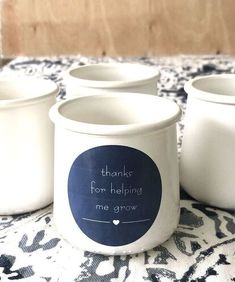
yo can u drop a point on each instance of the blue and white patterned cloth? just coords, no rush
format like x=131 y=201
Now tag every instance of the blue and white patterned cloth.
x=201 y=249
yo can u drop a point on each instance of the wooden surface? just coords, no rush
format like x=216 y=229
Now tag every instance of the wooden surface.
x=117 y=27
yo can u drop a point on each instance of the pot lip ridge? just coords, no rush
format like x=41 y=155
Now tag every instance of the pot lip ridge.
x=149 y=73
x=12 y=82
x=114 y=129
x=192 y=89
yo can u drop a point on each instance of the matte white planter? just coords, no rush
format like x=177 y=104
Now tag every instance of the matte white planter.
x=116 y=171
x=26 y=144
x=207 y=165
x=109 y=77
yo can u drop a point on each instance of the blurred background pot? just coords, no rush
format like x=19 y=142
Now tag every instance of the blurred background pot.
x=109 y=77
x=207 y=166
x=26 y=144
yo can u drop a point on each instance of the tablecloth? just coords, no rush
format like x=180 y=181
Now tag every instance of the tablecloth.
x=201 y=249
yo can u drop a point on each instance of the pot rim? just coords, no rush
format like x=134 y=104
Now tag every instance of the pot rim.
x=149 y=73
x=174 y=113
x=14 y=84
x=195 y=89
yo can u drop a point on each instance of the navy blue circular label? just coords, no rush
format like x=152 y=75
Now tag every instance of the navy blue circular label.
x=114 y=193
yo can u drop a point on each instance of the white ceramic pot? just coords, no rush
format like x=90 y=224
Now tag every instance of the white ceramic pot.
x=26 y=144
x=207 y=166
x=109 y=77
x=116 y=171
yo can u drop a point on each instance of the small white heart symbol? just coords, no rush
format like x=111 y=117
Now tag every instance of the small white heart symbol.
x=116 y=221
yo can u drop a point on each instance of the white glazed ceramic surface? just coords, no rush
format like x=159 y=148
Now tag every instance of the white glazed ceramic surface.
x=109 y=77
x=207 y=166
x=26 y=144
x=141 y=123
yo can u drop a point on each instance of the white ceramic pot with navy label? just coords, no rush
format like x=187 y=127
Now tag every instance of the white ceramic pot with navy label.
x=26 y=144
x=104 y=78
x=116 y=171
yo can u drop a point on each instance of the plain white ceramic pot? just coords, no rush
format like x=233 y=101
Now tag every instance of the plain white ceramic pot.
x=207 y=166
x=116 y=171
x=109 y=77
x=26 y=144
